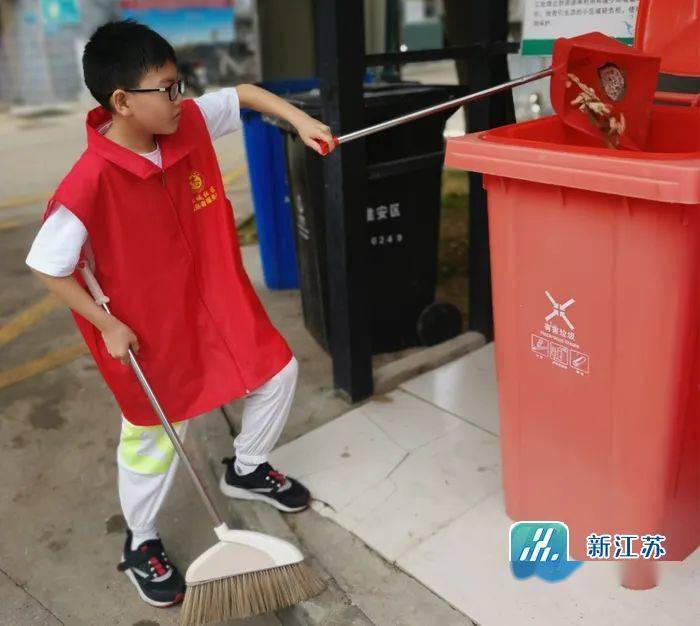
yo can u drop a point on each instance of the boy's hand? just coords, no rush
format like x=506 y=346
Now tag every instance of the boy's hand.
x=118 y=338
x=312 y=131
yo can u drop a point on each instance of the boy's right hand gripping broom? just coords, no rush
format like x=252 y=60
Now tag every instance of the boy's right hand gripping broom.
x=246 y=573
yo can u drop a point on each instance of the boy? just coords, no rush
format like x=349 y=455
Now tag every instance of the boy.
x=145 y=207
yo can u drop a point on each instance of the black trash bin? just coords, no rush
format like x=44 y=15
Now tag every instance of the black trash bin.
x=404 y=167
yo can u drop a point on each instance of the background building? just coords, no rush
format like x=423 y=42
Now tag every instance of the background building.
x=41 y=41
x=40 y=46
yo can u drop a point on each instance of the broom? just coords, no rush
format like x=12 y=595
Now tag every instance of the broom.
x=246 y=573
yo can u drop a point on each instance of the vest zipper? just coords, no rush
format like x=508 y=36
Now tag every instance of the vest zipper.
x=233 y=356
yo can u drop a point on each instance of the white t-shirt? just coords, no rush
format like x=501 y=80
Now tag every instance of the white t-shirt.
x=57 y=246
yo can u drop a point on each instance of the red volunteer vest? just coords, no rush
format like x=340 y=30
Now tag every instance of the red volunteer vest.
x=167 y=255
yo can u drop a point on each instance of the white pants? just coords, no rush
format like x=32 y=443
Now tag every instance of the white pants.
x=147 y=460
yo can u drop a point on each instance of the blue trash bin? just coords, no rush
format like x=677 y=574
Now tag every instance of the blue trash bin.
x=268 y=182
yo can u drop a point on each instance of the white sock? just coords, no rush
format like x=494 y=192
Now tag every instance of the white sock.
x=243 y=469
x=144 y=535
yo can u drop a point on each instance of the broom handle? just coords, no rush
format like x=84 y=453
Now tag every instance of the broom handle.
x=436 y=108
x=102 y=300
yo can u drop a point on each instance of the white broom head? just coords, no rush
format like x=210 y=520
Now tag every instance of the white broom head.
x=245 y=574
x=240 y=552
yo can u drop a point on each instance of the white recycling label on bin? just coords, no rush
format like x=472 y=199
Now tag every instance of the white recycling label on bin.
x=556 y=342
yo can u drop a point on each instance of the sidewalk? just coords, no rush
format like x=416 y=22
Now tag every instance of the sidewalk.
x=416 y=476
x=363 y=587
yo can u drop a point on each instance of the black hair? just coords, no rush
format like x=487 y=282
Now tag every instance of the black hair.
x=119 y=54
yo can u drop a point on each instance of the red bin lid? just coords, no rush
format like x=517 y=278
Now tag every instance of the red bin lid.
x=670 y=29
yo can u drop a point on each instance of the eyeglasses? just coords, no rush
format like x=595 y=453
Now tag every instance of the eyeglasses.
x=173 y=90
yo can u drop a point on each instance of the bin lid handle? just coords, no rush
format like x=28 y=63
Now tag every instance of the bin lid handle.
x=670 y=97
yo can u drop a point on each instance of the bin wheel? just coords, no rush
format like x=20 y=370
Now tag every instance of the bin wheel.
x=438 y=322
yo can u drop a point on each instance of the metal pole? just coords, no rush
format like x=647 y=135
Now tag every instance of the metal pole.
x=436 y=108
x=392 y=38
x=340 y=51
x=486 y=22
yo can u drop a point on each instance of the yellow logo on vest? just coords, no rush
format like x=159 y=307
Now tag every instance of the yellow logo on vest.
x=201 y=197
x=196 y=181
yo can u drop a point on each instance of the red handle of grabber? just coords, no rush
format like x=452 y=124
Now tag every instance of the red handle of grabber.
x=324 y=146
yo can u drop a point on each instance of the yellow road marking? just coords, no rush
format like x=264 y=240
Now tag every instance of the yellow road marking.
x=233 y=175
x=15 y=202
x=9 y=224
x=26 y=318
x=43 y=364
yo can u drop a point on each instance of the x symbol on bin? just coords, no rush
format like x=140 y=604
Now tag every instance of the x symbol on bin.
x=559 y=310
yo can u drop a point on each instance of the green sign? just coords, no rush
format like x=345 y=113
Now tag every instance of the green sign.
x=547 y=20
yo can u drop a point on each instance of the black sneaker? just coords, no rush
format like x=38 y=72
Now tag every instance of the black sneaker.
x=154 y=576
x=266 y=484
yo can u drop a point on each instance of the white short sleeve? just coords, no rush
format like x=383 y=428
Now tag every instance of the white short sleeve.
x=56 y=247
x=221 y=111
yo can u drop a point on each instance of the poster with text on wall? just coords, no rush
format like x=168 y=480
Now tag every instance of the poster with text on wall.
x=546 y=20
x=184 y=22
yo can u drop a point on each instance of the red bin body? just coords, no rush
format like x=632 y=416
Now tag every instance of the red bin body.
x=595 y=257
x=595 y=262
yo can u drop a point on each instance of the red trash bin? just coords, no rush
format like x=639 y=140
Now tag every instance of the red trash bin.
x=595 y=259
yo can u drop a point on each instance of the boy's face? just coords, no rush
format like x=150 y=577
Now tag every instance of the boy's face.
x=153 y=111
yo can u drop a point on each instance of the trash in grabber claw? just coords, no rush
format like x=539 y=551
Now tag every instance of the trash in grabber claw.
x=599 y=87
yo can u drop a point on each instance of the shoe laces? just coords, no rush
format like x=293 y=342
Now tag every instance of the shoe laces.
x=278 y=477
x=159 y=564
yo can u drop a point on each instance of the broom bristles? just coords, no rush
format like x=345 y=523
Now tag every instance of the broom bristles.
x=250 y=594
